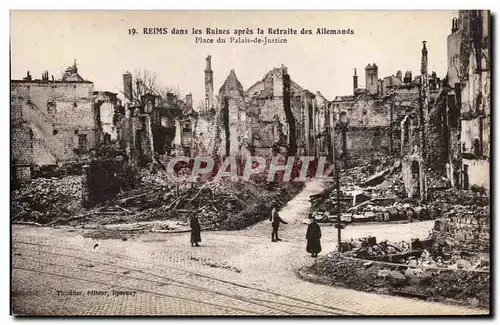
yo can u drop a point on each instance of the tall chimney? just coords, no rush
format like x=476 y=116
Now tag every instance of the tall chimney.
x=354 y=81
x=189 y=100
x=209 y=84
x=208 y=66
x=371 y=78
x=127 y=86
x=408 y=77
x=454 y=25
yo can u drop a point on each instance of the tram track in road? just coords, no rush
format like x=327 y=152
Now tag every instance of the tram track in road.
x=137 y=290
x=292 y=302
x=168 y=281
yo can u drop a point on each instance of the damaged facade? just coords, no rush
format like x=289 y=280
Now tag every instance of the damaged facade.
x=468 y=101
x=53 y=121
x=379 y=117
x=152 y=124
x=58 y=122
x=105 y=105
x=274 y=115
x=64 y=126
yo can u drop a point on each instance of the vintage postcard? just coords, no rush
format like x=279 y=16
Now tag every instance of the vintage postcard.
x=250 y=163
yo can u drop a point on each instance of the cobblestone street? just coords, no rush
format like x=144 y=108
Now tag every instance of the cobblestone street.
x=58 y=272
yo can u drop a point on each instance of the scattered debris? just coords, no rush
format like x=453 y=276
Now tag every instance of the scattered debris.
x=464 y=287
x=87 y=265
x=219 y=205
x=206 y=262
x=42 y=200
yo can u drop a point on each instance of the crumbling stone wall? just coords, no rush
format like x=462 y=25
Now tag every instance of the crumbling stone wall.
x=136 y=136
x=265 y=118
x=309 y=113
x=365 y=111
x=232 y=117
x=105 y=105
x=414 y=176
x=204 y=133
x=453 y=53
x=368 y=126
x=276 y=99
x=321 y=124
x=362 y=143
x=471 y=230
x=21 y=151
x=478 y=172
x=475 y=44
x=61 y=115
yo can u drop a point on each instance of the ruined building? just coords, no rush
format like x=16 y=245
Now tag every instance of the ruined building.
x=370 y=120
x=362 y=119
x=468 y=99
x=414 y=161
x=105 y=106
x=274 y=115
x=54 y=121
x=151 y=124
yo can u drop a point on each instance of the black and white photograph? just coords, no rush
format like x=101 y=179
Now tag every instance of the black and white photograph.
x=250 y=163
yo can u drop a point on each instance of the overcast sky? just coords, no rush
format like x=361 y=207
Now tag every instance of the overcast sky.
x=104 y=50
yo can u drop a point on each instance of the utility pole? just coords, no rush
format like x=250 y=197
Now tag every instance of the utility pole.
x=339 y=229
x=337 y=185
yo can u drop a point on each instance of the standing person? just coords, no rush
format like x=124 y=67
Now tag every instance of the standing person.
x=276 y=220
x=313 y=237
x=195 y=231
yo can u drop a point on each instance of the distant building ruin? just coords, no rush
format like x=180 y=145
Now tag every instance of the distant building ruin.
x=274 y=115
x=370 y=120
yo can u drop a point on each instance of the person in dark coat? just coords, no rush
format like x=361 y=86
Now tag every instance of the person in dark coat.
x=313 y=237
x=195 y=231
x=275 y=221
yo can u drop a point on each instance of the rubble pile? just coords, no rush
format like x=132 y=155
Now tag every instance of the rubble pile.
x=441 y=249
x=465 y=229
x=459 y=285
x=376 y=193
x=368 y=197
x=436 y=268
x=218 y=205
x=368 y=248
x=452 y=197
x=42 y=200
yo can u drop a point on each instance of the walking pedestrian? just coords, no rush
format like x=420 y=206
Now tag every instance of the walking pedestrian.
x=195 y=231
x=275 y=221
x=313 y=237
